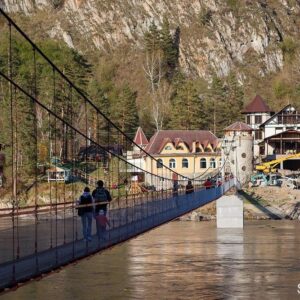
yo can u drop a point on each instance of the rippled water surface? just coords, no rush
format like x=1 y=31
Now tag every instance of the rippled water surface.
x=185 y=260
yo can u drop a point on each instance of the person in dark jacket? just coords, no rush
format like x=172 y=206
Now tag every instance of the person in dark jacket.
x=189 y=189
x=100 y=194
x=85 y=211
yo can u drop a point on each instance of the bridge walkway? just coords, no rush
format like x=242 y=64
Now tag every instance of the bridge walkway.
x=126 y=223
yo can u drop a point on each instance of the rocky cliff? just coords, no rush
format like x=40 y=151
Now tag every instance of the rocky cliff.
x=215 y=35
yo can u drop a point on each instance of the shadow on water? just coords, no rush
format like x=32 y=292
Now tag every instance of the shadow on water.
x=263 y=209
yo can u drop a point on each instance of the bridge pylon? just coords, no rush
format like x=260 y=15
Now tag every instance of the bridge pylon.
x=230 y=211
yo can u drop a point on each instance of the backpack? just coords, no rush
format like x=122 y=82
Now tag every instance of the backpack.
x=100 y=195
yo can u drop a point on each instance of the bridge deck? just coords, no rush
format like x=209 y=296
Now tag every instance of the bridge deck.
x=69 y=247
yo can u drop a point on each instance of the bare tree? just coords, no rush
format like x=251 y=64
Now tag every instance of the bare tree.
x=160 y=90
x=161 y=104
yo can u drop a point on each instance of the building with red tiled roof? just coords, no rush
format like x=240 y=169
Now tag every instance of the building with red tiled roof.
x=274 y=134
x=256 y=113
x=188 y=152
x=189 y=138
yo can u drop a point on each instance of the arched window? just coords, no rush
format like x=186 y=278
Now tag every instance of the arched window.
x=168 y=148
x=159 y=163
x=220 y=162
x=212 y=163
x=172 y=163
x=185 y=163
x=203 y=163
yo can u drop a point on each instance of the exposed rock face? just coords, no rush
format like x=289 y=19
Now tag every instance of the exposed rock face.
x=216 y=34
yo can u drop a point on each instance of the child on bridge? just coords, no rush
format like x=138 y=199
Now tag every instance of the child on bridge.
x=102 y=222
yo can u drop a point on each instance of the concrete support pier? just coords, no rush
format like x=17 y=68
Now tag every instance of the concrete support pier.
x=230 y=212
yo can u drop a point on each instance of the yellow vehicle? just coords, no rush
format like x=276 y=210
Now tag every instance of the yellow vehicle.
x=269 y=167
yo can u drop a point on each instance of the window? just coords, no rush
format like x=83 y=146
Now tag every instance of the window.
x=185 y=163
x=179 y=148
x=159 y=163
x=258 y=135
x=197 y=147
x=172 y=163
x=258 y=120
x=168 y=148
x=220 y=162
x=248 y=120
x=203 y=163
x=244 y=155
x=212 y=163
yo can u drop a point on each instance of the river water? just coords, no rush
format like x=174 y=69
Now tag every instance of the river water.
x=185 y=260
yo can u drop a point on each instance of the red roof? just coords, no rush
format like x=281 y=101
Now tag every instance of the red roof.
x=186 y=136
x=257 y=105
x=238 y=126
x=140 y=138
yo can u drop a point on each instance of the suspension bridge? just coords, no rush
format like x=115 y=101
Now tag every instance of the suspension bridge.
x=40 y=230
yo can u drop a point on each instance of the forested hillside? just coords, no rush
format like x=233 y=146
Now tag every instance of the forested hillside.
x=170 y=64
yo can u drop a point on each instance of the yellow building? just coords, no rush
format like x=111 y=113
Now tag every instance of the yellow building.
x=187 y=152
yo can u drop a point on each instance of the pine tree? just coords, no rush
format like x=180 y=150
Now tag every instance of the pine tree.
x=100 y=123
x=235 y=97
x=31 y=122
x=161 y=62
x=186 y=107
x=170 y=50
x=216 y=105
x=152 y=38
x=124 y=111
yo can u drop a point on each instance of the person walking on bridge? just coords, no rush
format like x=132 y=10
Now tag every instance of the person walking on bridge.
x=189 y=189
x=85 y=211
x=101 y=195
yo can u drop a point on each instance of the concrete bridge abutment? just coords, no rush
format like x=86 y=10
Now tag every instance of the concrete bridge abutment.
x=230 y=212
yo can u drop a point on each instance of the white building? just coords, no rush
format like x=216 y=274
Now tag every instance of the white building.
x=256 y=113
x=136 y=162
x=275 y=134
